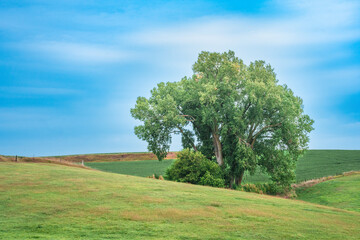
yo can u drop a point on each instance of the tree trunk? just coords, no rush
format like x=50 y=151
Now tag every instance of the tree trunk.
x=231 y=182
x=238 y=179
x=218 y=149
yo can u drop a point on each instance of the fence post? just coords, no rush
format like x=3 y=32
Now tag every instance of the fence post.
x=16 y=158
x=82 y=162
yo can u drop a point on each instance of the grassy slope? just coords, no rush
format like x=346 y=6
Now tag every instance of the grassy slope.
x=58 y=202
x=136 y=168
x=342 y=192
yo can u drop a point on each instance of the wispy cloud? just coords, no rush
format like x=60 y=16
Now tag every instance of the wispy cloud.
x=295 y=44
x=353 y=125
x=326 y=13
x=237 y=31
x=79 y=53
x=27 y=119
x=313 y=24
x=116 y=51
x=14 y=91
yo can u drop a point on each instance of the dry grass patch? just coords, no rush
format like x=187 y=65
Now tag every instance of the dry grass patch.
x=99 y=211
x=170 y=214
x=112 y=157
x=24 y=183
x=42 y=160
x=215 y=204
x=246 y=211
x=149 y=199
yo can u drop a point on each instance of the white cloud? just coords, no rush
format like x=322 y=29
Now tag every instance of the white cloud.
x=300 y=44
x=313 y=22
x=14 y=91
x=353 y=125
x=345 y=80
x=327 y=13
x=80 y=53
x=27 y=118
x=241 y=31
x=282 y=39
x=295 y=43
x=326 y=141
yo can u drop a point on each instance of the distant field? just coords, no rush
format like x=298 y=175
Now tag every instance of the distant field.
x=314 y=164
x=319 y=163
x=136 y=168
x=51 y=201
x=112 y=157
x=342 y=192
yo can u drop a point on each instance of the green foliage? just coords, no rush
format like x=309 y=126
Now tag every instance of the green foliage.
x=263 y=188
x=194 y=167
x=235 y=113
x=210 y=180
x=160 y=116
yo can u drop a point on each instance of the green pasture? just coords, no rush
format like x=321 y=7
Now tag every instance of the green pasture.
x=318 y=163
x=48 y=201
x=136 y=168
x=89 y=154
x=314 y=164
x=341 y=192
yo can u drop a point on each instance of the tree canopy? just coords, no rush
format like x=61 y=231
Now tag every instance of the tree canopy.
x=236 y=114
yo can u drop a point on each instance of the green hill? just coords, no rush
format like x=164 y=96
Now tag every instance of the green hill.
x=48 y=201
x=341 y=192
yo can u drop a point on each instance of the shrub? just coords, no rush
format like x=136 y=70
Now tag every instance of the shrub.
x=210 y=180
x=194 y=167
x=266 y=188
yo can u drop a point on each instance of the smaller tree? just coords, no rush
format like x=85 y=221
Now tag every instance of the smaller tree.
x=193 y=167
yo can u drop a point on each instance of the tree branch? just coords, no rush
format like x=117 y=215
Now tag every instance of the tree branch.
x=257 y=134
x=191 y=118
x=251 y=131
x=192 y=143
x=246 y=108
x=243 y=141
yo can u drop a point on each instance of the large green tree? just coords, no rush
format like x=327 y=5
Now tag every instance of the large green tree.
x=231 y=112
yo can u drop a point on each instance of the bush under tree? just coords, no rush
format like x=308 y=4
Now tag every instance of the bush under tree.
x=193 y=167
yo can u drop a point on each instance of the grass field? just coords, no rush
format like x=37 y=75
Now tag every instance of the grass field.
x=314 y=164
x=319 y=163
x=136 y=168
x=49 y=201
x=112 y=157
x=341 y=192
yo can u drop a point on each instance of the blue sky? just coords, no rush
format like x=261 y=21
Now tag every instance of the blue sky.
x=71 y=70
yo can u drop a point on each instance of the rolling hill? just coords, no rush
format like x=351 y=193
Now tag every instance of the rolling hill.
x=49 y=201
x=340 y=192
